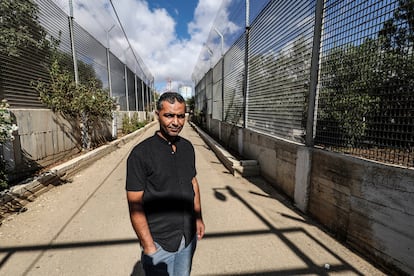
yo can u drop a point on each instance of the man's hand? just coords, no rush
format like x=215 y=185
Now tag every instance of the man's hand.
x=200 y=228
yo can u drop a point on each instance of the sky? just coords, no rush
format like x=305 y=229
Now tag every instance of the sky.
x=168 y=35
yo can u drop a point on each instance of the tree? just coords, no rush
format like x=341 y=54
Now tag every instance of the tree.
x=7 y=127
x=348 y=94
x=396 y=84
x=86 y=103
x=190 y=102
x=366 y=89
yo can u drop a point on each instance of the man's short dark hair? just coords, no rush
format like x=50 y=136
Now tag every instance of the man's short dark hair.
x=170 y=97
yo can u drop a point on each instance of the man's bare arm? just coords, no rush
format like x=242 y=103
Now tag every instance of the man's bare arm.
x=139 y=221
x=197 y=208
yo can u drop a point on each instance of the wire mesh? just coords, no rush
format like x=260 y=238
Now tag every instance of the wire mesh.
x=101 y=51
x=280 y=46
x=24 y=53
x=91 y=58
x=364 y=99
x=233 y=83
x=230 y=24
x=217 y=98
x=367 y=70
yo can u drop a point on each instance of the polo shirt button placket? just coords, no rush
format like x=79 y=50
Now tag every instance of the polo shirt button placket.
x=172 y=152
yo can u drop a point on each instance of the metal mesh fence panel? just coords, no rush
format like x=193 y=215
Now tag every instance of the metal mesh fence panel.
x=233 y=83
x=148 y=98
x=131 y=90
x=46 y=37
x=217 y=91
x=118 y=81
x=280 y=46
x=228 y=26
x=201 y=97
x=366 y=100
x=56 y=23
x=209 y=91
x=140 y=94
x=91 y=58
x=26 y=60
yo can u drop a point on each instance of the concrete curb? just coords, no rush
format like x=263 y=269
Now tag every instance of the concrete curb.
x=236 y=167
x=14 y=200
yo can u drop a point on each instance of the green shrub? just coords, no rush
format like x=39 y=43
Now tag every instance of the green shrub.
x=7 y=127
x=129 y=125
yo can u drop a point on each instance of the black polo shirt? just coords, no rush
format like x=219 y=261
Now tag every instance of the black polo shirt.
x=165 y=177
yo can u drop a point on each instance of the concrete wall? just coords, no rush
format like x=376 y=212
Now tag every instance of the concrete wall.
x=44 y=138
x=142 y=116
x=367 y=205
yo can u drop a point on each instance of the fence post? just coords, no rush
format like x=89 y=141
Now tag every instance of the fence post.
x=304 y=154
x=142 y=95
x=108 y=65
x=222 y=71
x=126 y=88
x=246 y=64
x=136 y=92
x=72 y=43
x=84 y=119
x=314 y=73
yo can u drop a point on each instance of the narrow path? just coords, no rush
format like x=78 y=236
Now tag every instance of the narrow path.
x=83 y=228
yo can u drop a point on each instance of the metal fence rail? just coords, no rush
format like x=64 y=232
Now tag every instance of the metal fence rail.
x=363 y=75
x=102 y=54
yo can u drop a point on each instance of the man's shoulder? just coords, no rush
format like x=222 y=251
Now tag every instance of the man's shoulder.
x=143 y=145
x=186 y=142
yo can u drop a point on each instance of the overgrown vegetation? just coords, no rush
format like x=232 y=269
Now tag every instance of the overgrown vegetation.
x=129 y=125
x=84 y=102
x=7 y=127
x=20 y=28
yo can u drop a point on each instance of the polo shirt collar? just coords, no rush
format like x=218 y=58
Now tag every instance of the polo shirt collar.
x=163 y=140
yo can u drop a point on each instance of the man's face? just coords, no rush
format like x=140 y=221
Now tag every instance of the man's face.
x=172 y=118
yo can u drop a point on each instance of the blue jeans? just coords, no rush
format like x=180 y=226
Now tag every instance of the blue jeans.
x=170 y=263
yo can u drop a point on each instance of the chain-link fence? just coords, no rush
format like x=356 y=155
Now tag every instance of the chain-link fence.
x=34 y=32
x=333 y=74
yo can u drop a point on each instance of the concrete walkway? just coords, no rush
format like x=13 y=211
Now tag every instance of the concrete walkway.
x=83 y=228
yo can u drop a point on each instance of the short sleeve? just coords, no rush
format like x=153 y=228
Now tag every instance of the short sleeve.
x=135 y=176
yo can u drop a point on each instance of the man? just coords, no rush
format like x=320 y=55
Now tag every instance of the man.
x=163 y=193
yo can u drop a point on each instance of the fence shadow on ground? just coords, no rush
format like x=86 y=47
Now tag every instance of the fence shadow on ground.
x=312 y=268
x=221 y=194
